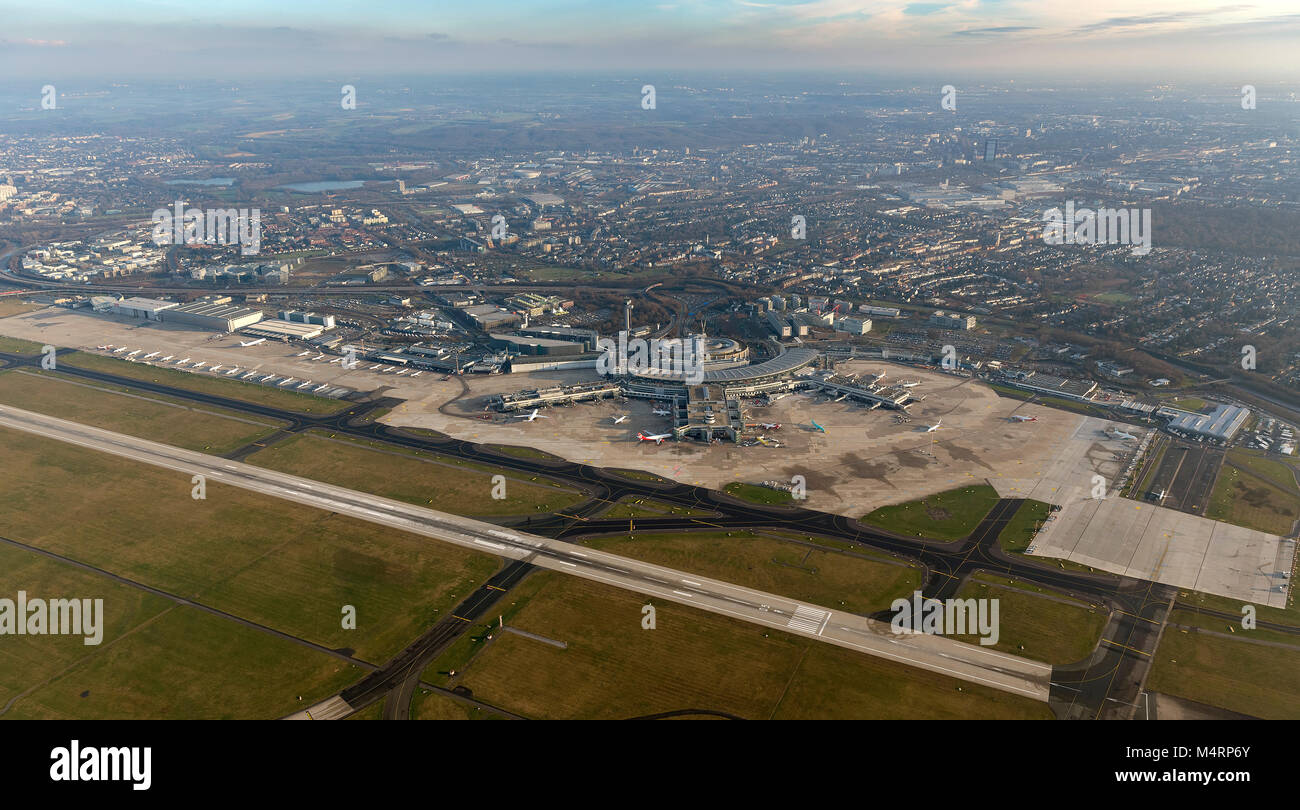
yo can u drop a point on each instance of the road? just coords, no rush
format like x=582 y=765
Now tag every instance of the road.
x=934 y=653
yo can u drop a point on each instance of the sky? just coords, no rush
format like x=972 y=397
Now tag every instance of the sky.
x=1145 y=41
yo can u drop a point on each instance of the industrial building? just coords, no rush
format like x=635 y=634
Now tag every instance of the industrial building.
x=284 y=330
x=220 y=317
x=951 y=320
x=148 y=309
x=1220 y=424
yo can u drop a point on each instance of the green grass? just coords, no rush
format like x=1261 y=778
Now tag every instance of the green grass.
x=1020 y=531
x=375 y=711
x=696 y=660
x=1254 y=679
x=17 y=346
x=1277 y=472
x=1188 y=403
x=949 y=515
x=820 y=576
x=637 y=475
x=190 y=664
x=426 y=480
x=430 y=705
x=758 y=494
x=13 y=305
x=1245 y=500
x=530 y=453
x=1289 y=616
x=194 y=428
x=268 y=560
x=216 y=386
x=633 y=507
x=1035 y=626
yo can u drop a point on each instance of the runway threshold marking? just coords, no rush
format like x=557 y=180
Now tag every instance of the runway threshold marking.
x=462 y=618
x=706 y=523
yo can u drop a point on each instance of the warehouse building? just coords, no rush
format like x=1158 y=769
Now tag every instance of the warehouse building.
x=148 y=309
x=217 y=317
x=1220 y=424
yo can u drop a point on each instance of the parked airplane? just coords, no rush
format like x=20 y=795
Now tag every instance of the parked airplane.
x=531 y=416
x=165 y=359
x=418 y=373
x=234 y=370
x=183 y=361
x=252 y=342
x=215 y=368
x=662 y=412
x=909 y=384
x=934 y=427
x=102 y=348
x=151 y=355
x=1018 y=418
x=657 y=438
x=818 y=427
x=302 y=354
x=770 y=425
x=840 y=397
x=620 y=419
x=1116 y=433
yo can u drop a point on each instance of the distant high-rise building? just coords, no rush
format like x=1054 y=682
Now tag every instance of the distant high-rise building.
x=991 y=149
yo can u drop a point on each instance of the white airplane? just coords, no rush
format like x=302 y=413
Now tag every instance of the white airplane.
x=151 y=355
x=285 y=381
x=662 y=412
x=102 y=348
x=934 y=427
x=302 y=354
x=252 y=342
x=119 y=350
x=336 y=360
x=771 y=425
x=134 y=353
x=840 y=397
x=200 y=364
x=319 y=356
x=620 y=419
x=165 y=359
x=418 y=373
x=1116 y=433
x=531 y=416
x=657 y=438
x=252 y=373
x=402 y=371
x=234 y=370
x=909 y=384
x=1019 y=418
x=215 y=368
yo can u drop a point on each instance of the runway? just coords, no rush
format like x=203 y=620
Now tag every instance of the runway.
x=967 y=662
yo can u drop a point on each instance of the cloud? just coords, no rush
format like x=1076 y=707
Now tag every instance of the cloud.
x=994 y=31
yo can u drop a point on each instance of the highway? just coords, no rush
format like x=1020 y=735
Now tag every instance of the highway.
x=968 y=662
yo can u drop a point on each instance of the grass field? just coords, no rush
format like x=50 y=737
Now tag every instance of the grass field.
x=1289 y=616
x=426 y=480
x=430 y=705
x=613 y=668
x=216 y=386
x=1255 y=679
x=17 y=346
x=757 y=494
x=822 y=577
x=530 y=453
x=1037 y=622
x=1020 y=531
x=1188 y=403
x=1248 y=501
x=14 y=305
x=189 y=664
x=67 y=398
x=1277 y=472
x=949 y=515
x=634 y=507
x=271 y=561
x=637 y=475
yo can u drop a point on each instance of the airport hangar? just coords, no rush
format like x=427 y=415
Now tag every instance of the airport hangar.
x=709 y=410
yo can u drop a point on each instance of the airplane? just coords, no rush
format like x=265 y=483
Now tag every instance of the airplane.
x=657 y=438
x=182 y=362
x=840 y=397
x=818 y=427
x=319 y=356
x=234 y=370
x=1018 y=418
x=134 y=353
x=662 y=412
x=285 y=381
x=102 y=348
x=770 y=425
x=934 y=427
x=215 y=368
x=620 y=419
x=119 y=350
x=531 y=416
x=165 y=359
x=908 y=384
x=418 y=373
x=1116 y=433
x=151 y=355
x=252 y=342
x=302 y=354
x=336 y=360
